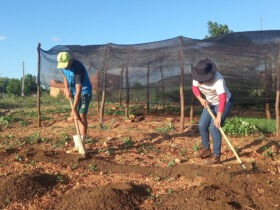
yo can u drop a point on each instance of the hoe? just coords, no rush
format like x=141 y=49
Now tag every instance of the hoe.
x=225 y=137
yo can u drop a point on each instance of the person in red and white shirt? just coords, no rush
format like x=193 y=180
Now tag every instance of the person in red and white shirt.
x=211 y=84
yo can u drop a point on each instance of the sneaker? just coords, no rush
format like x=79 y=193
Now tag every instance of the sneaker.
x=213 y=159
x=202 y=153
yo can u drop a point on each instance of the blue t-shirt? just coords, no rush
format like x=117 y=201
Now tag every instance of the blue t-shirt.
x=77 y=75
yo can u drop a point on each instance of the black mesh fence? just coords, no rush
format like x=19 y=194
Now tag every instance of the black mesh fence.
x=247 y=60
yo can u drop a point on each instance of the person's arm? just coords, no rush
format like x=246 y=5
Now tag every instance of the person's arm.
x=67 y=92
x=196 y=92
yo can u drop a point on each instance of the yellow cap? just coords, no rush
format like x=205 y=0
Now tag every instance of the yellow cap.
x=62 y=59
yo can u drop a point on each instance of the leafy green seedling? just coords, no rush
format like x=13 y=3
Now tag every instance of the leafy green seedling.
x=92 y=167
x=18 y=158
x=171 y=163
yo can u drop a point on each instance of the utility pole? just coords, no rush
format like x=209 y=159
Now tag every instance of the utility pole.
x=261 y=22
x=22 y=89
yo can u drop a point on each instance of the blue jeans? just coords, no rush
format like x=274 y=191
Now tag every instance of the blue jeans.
x=206 y=121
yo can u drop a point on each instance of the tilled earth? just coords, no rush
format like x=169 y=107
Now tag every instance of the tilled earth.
x=132 y=165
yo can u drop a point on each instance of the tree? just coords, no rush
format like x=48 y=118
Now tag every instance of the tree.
x=30 y=85
x=3 y=84
x=215 y=29
x=14 y=87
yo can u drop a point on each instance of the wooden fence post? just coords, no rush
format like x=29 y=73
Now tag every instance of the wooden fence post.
x=105 y=67
x=268 y=86
x=162 y=87
x=278 y=95
x=98 y=92
x=192 y=104
x=121 y=86
x=127 y=91
x=38 y=85
x=181 y=84
x=148 y=90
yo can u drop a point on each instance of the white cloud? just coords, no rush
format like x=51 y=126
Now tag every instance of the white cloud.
x=3 y=38
x=55 y=38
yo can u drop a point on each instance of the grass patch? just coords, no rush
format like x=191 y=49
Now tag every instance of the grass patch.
x=248 y=126
x=165 y=129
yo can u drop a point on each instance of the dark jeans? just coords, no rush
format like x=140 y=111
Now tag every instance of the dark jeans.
x=206 y=121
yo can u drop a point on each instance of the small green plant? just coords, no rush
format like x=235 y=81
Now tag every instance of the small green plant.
x=62 y=141
x=18 y=158
x=171 y=163
x=196 y=147
x=99 y=150
x=60 y=178
x=183 y=152
x=1 y=165
x=90 y=141
x=165 y=129
x=269 y=152
x=128 y=142
x=169 y=191
x=106 y=127
x=33 y=163
x=23 y=123
x=109 y=152
x=92 y=167
x=34 y=138
x=6 y=120
x=74 y=166
x=238 y=126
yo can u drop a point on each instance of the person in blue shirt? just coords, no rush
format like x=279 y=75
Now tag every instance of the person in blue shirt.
x=77 y=87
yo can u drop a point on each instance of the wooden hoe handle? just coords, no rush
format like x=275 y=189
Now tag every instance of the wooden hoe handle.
x=225 y=137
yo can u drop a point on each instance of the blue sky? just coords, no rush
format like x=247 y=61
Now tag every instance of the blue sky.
x=24 y=23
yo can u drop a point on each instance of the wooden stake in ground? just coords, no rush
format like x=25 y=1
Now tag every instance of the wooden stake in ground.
x=162 y=87
x=22 y=85
x=38 y=86
x=278 y=96
x=127 y=92
x=148 y=91
x=121 y=86
x=98 y=92
x=192 y=105
x=104 y=84
x=181 y=56
x=268 y=86
x=225 y=137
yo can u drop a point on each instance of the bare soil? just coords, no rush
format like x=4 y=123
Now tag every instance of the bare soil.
x=132 y=165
